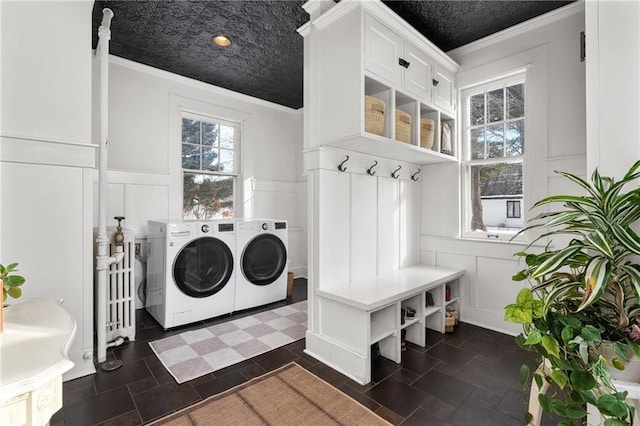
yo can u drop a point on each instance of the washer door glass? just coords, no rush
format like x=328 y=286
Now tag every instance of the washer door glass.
x=264 y=259
x=203 y=267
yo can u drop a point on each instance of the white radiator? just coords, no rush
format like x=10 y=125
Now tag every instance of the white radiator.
x=121 y=291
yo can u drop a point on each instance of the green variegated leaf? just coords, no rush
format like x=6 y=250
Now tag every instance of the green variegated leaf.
x=633 y=172
x=551 y=345
x=562 y=291
x=533 y=338
x=635 y=348
x=556 y=261
x=600 y=243
x=598 y=183
x=517 y=314
x=620 y=349
x=596 y=277
x=560 y=378
x=626 y=217
x=583 y=350
x=625 y=200
x=583 y=183
x=524 y=296
x=564 y=218
x=633 y=278
x=627 y=238
x=588 y=203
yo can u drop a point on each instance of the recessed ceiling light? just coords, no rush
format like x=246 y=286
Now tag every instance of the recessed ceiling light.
x=222 y=40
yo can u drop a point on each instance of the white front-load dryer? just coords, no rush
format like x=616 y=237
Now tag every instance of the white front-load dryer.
x=190 y=270
x=261 y=260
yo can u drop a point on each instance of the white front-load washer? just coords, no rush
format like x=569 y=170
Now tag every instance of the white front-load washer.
x=190 y=270
x=261 y=260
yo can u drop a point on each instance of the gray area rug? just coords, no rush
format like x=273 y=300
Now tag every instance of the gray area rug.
x=198 y=352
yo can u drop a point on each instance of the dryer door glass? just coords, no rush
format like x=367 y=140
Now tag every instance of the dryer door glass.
x=203 y=267
x=264 y=259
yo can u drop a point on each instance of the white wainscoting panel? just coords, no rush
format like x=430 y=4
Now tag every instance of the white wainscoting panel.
x=410 y=207
x=333 y=220
x=43 y=229
x=363 y=219
x=388 y=224
x=283 y=200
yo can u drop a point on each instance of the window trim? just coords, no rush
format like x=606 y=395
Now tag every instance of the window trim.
x=465 y=93
x=236 y=174
x=511 y=213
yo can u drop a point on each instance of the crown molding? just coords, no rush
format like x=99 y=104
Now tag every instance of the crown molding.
x=532 y=24
x=335 y=13
x=198 y=84
x=305 y=29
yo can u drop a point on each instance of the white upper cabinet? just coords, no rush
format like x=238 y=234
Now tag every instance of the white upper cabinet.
x=374 y=84
x=383 y=48
x=444 y=89
x=417 y=76
x=398 y=61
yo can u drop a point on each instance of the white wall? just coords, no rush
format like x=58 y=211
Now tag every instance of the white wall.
x=613 y=85
x=46 y=157
x=548 y=48
x=145 y=175
x=494 y=213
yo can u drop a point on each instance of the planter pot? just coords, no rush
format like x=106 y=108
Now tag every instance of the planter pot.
x=631 y=372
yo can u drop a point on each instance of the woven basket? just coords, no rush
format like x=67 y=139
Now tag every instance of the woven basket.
x=374 y=115
x=403 y=126
x=449 y=322
x=427 y=131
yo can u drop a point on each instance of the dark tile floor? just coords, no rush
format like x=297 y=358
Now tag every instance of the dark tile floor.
x=468 y=377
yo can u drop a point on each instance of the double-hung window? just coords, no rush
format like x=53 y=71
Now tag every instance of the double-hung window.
x=210 y=167
x=493 y=118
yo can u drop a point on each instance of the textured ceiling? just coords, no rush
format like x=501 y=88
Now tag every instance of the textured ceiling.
x=266 y=57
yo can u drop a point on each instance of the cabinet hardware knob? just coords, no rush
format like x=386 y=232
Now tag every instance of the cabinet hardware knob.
x=370 y=170
x=395 y=174
x=341 y=165
x=404 y=63
x=435 y=82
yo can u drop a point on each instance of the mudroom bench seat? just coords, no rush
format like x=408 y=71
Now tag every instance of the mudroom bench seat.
x=383 y=309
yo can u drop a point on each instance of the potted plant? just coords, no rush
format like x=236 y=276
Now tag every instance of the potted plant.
x=583 y=293
x=10 y=282
x=10 y=286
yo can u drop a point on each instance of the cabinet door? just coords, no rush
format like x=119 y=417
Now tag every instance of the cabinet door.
x=444 y=89
x=417 y=76
x=383 y=48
